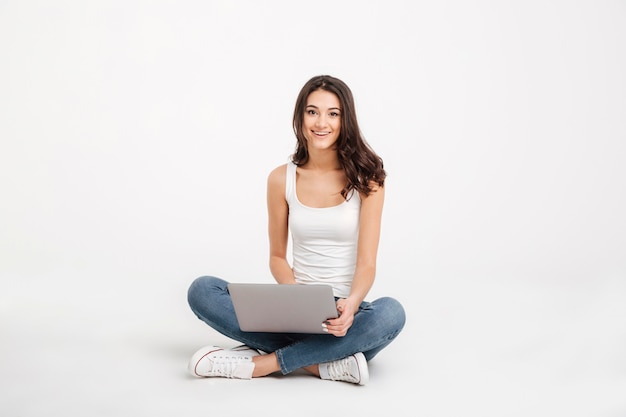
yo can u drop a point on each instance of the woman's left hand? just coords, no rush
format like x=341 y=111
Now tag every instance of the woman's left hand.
x=339 y=326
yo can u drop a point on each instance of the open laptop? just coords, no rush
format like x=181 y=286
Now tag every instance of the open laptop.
x=282 y=308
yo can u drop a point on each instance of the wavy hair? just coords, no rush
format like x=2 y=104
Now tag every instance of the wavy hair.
x=360 y=163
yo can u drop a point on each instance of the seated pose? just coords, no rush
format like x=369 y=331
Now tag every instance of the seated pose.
x=329 y=196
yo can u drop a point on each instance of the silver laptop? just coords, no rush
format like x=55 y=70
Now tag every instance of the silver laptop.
x=282 y=308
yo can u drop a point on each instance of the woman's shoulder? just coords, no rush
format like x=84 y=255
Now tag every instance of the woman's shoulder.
x=278 y=175
x=279 y=171
x=276 y=183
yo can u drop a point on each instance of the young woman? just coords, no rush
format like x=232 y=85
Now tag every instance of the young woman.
x=329 y=196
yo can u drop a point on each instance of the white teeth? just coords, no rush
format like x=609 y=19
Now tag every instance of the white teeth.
x=320 y=133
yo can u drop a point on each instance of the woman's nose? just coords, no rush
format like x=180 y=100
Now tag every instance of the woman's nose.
x=320 y=121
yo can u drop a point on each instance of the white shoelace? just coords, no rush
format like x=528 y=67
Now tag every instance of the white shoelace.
x=340 y=370
x=225 y=365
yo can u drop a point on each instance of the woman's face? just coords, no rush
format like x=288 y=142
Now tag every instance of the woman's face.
x=322 y=120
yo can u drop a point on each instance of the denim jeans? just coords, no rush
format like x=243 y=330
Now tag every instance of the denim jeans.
x=375 y=325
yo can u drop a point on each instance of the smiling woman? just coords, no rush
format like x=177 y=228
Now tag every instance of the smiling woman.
x=330 y=198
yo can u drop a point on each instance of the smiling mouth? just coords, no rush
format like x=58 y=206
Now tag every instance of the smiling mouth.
x=320 y=133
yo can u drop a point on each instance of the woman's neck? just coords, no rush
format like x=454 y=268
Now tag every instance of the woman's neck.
x=323 y=161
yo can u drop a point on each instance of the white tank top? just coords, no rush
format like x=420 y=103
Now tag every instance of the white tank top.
x=324 y=239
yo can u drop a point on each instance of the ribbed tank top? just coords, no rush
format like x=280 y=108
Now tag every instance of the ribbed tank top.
x=324 y=240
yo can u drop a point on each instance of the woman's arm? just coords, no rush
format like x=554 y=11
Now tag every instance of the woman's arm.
x=278 y=211
x=365 y=272
x=369 y=236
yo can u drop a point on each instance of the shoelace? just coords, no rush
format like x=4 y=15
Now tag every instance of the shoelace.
x=340 y=370
x=225 y=365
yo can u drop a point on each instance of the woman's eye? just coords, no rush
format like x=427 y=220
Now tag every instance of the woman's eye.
x=334 y=114
x=311 y=112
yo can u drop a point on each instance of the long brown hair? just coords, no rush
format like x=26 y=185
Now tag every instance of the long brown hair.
x=359 y=161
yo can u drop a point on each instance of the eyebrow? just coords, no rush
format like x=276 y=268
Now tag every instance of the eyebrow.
x=314 y=106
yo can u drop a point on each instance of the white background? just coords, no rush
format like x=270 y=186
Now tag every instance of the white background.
x=136 y=138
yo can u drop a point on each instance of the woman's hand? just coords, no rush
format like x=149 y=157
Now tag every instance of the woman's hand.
x=339 y=326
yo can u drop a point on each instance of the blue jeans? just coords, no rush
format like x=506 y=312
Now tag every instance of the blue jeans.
x=375 y=325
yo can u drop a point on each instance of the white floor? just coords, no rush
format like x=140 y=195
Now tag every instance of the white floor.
x=480 y=349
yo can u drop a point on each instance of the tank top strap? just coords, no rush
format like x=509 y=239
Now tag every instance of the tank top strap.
x=290 y=183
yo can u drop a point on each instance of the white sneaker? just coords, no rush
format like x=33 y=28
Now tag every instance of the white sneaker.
x=225 y=363
x=351 y=369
